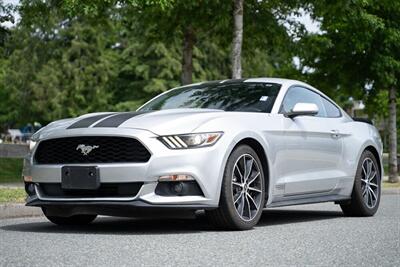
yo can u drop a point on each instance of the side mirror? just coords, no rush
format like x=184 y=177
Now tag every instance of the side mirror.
x=303 y=109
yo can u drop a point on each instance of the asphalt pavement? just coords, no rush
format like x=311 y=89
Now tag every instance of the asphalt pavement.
x=303 y=235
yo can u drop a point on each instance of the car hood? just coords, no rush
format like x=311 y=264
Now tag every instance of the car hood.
x=172 y=121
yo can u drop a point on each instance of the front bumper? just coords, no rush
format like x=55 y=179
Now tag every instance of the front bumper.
x=205 y=165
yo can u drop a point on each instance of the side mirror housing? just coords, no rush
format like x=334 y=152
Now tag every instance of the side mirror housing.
x=303 y=109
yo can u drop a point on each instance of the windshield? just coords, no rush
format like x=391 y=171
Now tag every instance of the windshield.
x=238 y=96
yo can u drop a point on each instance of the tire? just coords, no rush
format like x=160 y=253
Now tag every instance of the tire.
x=72 y=220
x=362 y=202
x=252 y=192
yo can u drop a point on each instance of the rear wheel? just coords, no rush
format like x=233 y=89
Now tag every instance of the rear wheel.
x=366 y=193
x=242 y=193
x=71 y=220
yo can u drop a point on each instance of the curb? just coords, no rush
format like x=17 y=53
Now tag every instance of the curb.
x=13 y=210
x=11 y=186
x=390 y=191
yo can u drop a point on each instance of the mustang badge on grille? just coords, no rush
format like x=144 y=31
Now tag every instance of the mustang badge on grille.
x=85 y=150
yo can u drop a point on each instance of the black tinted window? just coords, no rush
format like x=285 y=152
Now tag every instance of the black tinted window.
x=240 y=96
x=302 y=95
x=331 y=110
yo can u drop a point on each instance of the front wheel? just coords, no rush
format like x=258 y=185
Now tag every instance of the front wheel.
x=242 y=192
x=366 y=193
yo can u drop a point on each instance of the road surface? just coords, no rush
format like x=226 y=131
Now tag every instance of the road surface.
x=303 y=235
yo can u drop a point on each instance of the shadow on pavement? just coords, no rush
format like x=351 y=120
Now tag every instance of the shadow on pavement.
x=286 y=216
x=117 y=225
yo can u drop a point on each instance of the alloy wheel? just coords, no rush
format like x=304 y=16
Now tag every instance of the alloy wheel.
x=247 y=187
x=369 y=183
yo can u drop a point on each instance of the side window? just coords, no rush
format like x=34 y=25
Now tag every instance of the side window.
x=302 y=95
x=331 y=110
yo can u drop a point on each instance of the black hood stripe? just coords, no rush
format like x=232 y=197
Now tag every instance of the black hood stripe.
x=86 y=122
x=118 y=119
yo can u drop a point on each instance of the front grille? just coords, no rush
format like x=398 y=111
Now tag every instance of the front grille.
x=105 y=190
x=107 y=150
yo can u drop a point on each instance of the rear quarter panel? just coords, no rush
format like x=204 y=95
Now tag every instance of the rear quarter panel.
x=357 y=136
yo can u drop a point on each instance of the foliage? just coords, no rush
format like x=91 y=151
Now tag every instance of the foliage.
x=66 y=58
x=6 y=15
x=97 y=7
x=10 y=170
x=358 y=51
x=57 y=69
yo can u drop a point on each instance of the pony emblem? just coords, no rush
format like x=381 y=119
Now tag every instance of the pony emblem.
x=85 y=150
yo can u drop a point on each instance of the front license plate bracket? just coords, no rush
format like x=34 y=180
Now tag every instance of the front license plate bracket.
x=80 y=178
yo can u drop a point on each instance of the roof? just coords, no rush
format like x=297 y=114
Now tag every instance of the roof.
x=282 y=81
x=273 y=80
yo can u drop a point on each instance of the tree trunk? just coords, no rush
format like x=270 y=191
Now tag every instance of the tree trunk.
x=187 y=57
x=393 y=168
x=237 y=39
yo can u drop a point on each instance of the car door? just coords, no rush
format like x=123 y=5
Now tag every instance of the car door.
x=313 y=147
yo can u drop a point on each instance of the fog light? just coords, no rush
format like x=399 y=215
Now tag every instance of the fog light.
x=175 y=177
x=182 y=188
x=178 y=187
x=30 y=189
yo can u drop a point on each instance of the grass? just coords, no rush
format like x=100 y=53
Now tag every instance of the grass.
x=12 y=195
x=10 y=170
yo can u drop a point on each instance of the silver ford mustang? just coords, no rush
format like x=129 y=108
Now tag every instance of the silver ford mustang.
x=231 y=148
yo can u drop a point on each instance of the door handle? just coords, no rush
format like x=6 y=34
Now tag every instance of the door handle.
x=335 y=134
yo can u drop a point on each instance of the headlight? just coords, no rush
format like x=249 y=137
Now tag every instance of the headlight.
x=32 y=145
x=185 y=141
